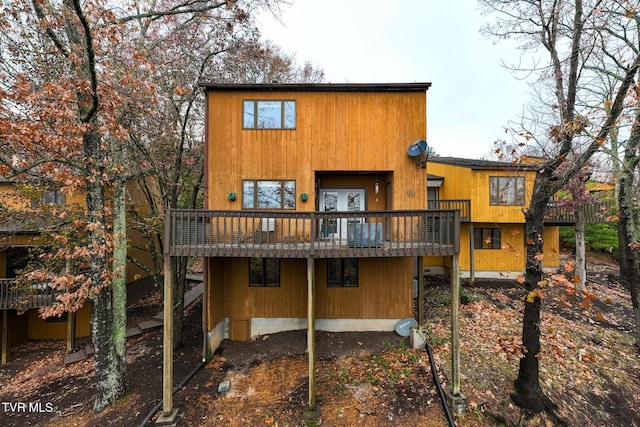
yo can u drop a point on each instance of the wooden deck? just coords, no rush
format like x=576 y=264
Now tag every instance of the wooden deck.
x=12 y=298
x=312 y=234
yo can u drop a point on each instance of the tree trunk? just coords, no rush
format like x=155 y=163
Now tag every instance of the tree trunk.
x=110 y=367
x=581 y=257
x=527 y=391
x=119 y=264
x=629 y=222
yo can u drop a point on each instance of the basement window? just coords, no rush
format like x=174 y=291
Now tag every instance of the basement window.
x=264 y=272
x=342 y=272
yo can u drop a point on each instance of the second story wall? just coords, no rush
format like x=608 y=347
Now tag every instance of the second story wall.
x=343 y=129
x=489 y=203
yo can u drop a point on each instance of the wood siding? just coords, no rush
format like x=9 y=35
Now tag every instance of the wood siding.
x=335 y=131
x=469 y=184
x=40 y=329
x=385 y=291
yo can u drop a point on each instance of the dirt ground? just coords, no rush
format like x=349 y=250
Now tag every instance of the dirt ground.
x=589 y=367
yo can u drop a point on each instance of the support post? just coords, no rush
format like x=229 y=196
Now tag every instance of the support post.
x=311 y=415
x=71 y=331
x=456 y=399
x=472 y=250
x=168 y=412
x=5 y=337
x=421 y=317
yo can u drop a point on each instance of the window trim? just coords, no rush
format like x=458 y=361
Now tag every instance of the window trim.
x=264 y=273
x=496 y=238
x=494 y=199
x=283 y=198
x=283 y=110
x=59 y=199
x=342 y=283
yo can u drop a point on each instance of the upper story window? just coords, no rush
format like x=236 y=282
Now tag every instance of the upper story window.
x=268 y=194
x=506 y=190
x=269 y=114
x=50 y=197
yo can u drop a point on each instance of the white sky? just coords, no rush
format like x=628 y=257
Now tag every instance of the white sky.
x=472 y=97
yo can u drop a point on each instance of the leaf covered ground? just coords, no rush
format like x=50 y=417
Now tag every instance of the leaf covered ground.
x=589 y=368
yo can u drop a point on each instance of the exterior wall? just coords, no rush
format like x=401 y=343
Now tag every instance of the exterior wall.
x=385 y=291
x=509 y=261
x=335 y=131
x=16 y=326
x=476 y=189
x=40 y=329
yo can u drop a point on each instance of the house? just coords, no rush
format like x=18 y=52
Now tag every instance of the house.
x=315 y=211
x=23 y=217
x=492 y=202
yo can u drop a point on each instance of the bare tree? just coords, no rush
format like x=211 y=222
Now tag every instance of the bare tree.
x=566 y=36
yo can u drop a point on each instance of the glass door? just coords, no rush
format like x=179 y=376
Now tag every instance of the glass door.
x=340 y=200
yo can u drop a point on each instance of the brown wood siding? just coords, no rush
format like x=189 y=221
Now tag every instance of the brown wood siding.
x=216 y=292
x=334 y=132
x=385 y=291
x=245 y=302
x=40 y=329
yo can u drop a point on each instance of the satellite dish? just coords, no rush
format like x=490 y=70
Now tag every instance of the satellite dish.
x=419 y=150
x=403 y=326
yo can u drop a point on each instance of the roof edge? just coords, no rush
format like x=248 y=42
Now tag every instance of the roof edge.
x=318 y=87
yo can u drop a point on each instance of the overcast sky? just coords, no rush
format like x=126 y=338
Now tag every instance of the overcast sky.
x=472 y=97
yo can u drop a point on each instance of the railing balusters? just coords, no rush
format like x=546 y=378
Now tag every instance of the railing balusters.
x=318 y=234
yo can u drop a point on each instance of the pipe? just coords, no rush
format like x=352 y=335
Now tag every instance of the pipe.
x=443 y=398
x=174 y=391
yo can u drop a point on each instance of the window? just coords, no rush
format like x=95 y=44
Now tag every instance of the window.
x=487 y=238
x=268 y=194
x=50 y=197
x=264 y=272
x=342 y=272
x=506 y=190
x=272 y=114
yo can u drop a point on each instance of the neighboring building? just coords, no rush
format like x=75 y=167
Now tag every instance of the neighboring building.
x=21 y=224
x=492 y=200
x=492 y=197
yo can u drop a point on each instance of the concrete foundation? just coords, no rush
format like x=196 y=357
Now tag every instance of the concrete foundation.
x=311 y=417
x=167 y=420
x=457 y=402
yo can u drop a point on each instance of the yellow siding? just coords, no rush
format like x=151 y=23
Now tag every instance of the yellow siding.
x=39 y=329
x=511 y=257
x=551 y=248
x=468 y=184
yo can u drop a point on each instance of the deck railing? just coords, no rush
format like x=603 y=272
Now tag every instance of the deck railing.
x=311 y=234
x=464 y=206
x=558 y=213
x=12 y=297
